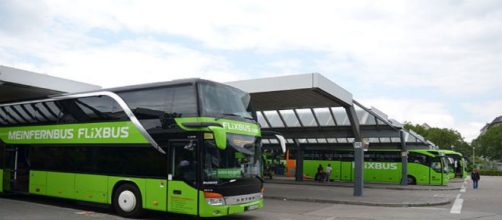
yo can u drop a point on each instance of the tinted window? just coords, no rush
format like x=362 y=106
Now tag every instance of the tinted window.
x=90 y=109
x=217 y=99
x=1 y=154
x=157 y=107
x=109 y=160
x=3 y=118
x=417 y=158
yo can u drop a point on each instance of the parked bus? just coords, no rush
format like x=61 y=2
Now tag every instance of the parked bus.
x=456 y=164
x=185 y=146
x=425 y=167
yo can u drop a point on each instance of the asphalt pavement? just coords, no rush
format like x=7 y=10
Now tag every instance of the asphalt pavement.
x=484 y=203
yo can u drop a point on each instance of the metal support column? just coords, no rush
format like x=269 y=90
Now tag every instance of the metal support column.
x=299 y=161
x=404 y=158
x=358 y=151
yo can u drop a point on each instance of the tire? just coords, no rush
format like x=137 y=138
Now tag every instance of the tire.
x=410 y=180
x=127 y=201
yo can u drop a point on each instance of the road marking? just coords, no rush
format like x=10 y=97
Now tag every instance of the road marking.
x=457 y=205
x=462 y=190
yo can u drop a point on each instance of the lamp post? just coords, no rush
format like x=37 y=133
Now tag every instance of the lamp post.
x=473 y=157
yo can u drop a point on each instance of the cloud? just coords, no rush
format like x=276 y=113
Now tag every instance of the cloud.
x=436 y=114
x=450 y=47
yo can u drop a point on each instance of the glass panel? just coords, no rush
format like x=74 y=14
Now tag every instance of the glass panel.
x=341 y=140
x=312 y=141
x=37 y=112
x=350 y=140
x=385 y=140
x=306 y=117
x=53 y=108
x=21 y=112
x=13 y=115
x=341 y=116
x=274 y=119
x=371 y=120
x=396 y=140
x=220 y=99
x=43 y=110
x=240 y=160
x=324 y=117
x=3 y=117
x=332 y=140
x=302 y=141
x=290 y=141
x=261 y=120
x=266 y=141
x=322 y=140
x=274 y=141
x=290 y=118
x=374 y=140
x=362 y=115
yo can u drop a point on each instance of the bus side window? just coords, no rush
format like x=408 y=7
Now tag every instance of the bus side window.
x=417 y=158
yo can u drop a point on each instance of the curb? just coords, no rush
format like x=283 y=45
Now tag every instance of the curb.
x=365 y=186
x=361 y=203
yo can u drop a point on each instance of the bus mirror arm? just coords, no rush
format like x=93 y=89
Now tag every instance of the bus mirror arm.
x=279 y=137
x=220 y=136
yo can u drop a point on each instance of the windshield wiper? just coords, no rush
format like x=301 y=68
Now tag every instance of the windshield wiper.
x=236 y=115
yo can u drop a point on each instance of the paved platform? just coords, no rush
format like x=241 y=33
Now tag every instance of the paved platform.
x=374 y=194
x=454 y=184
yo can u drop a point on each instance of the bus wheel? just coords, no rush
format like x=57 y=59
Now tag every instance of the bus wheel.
x=127 y=201
x=411 y=180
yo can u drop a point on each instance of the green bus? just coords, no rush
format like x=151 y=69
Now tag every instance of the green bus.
x=185 y=146
x=456 y=164
x=425 y=167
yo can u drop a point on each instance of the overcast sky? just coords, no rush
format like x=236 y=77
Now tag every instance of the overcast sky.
x=435 y=62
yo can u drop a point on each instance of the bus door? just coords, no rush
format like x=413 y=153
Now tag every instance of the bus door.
x=182 y=192
x=436 y=171
x=17 y=168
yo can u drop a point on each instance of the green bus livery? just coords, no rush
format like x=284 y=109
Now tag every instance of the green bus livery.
x=456 y=164
x=185 y=146
x=425 y=167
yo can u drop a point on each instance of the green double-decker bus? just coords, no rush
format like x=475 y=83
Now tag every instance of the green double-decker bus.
x=425 y=167
x=186 y=146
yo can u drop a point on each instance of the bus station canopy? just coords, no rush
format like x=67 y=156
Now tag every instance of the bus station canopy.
x=17 y=85
x=309 y=108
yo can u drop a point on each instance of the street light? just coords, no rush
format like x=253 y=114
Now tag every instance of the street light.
x=473 y=156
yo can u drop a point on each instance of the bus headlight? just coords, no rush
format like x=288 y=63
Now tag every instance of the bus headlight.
x=214 y=198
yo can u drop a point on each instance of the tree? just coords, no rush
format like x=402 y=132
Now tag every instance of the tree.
x=489 y=144
x=445 y=138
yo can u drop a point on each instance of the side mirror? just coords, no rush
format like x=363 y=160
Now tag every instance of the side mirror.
x=220 y=137
x=282 y=142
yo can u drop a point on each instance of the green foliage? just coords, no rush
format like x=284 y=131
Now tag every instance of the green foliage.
x=489 y=144
x=445 y=138
x=490 y=172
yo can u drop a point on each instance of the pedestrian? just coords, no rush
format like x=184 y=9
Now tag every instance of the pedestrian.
x=475 y=178
x=319 y=175
x=328 y=172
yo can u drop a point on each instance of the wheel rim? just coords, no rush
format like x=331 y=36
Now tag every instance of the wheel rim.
x=410 y=180
x=127 y=201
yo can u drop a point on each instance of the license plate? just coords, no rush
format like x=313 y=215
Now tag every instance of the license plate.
x=251 y=207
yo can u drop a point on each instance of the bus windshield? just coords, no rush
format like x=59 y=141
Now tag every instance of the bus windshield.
x=217 y=100
x=240 y=160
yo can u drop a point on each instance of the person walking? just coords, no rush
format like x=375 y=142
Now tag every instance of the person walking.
x=328 y=172
x=475 y=178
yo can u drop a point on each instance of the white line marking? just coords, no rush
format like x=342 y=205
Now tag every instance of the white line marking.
x=462 y=190
x=457 y=205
